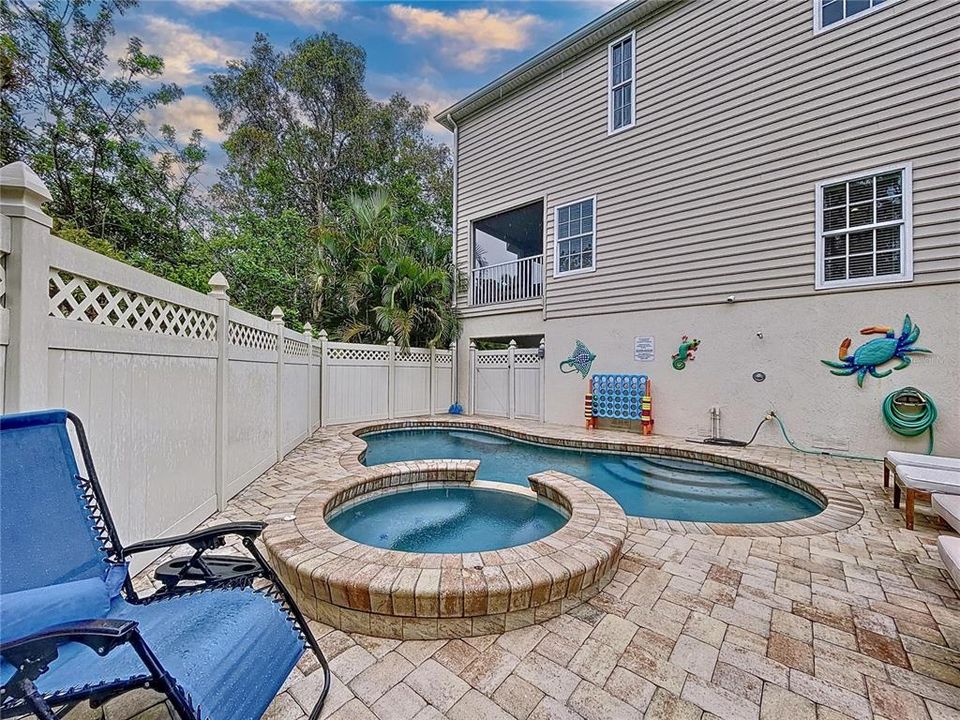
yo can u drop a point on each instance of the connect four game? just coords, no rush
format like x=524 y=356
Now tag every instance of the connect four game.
x=621 y=397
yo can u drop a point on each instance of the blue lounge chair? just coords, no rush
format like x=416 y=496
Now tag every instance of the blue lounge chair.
x=72 y=628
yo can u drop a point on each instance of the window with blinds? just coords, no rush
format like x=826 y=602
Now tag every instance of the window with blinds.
x=864 y=230
x=620 y=73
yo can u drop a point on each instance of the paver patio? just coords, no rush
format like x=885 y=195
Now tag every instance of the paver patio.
x=857 y=623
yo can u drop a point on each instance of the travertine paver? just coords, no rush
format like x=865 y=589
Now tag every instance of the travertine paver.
x=855 y=623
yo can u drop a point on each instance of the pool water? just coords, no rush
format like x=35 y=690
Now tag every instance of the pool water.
x=447 y=520
x=651 y=487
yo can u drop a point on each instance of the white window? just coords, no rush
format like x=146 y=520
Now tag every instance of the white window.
x=864 y=233
x=830 y=13
x=621 y=82
x=574 y=249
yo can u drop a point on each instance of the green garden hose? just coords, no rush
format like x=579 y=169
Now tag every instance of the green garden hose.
x=910 y=424
x=796 y=447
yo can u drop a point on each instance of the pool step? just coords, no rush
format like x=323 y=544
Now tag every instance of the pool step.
x=682 y=465
x=732 y=492
x=687 y=477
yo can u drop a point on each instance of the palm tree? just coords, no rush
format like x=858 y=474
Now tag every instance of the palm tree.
x=376 y=278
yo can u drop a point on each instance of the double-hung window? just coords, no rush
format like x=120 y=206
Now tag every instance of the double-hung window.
x=864 y=233
x=621 y=84
x=574 y=235
x=829 y=13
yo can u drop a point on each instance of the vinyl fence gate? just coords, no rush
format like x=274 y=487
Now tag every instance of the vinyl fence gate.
x=507 y=383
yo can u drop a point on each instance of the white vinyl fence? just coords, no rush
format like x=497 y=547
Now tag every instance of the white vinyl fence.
x=507 y=383
x=186 y=399
x=379 y=382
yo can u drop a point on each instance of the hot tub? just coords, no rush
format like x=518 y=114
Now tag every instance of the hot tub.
x=448 y=519
x=423 y=550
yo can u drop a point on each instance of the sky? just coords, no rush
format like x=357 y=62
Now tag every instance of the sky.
x=432 y=52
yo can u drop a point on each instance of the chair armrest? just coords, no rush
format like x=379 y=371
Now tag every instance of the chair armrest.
x=200 y=540
x=102 y=635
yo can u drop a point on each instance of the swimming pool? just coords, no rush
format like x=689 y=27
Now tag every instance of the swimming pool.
x=655 y=487
x=447 y=520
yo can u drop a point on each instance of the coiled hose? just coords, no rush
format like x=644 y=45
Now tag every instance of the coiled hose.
x=910 y=425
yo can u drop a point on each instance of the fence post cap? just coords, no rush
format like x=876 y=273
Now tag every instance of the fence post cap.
x=20 y=175
x=308 y=328
x=323 y=334
x=391 y=341
x=277 y=315
x=24 y=193
x=542 y=342
x=218 y=285
x=513 y=343
x=473 y=345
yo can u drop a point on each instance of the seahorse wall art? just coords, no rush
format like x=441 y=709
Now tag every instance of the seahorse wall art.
x=874 y=353
x=580 y=360
x=685 y=352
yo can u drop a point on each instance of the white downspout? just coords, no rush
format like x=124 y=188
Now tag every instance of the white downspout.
x=456 y=152
x=456 y=149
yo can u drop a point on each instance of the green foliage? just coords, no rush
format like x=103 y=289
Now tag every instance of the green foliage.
x=375 y=278
x=87 y=137
x=304 y=134
x=303 y=139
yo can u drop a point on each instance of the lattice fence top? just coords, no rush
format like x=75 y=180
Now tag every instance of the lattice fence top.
x=414 y=356
x=494 y=359
x=526 y=358
x=250 y=337
x=359 y=353
x=73 y=297
x=444 y=358
x=295 y=348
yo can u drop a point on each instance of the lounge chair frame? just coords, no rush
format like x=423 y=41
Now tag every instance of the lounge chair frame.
x=32 y=655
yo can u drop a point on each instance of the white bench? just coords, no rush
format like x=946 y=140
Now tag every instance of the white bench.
x=949 y=548
x=922 y=481
x=947 y=507
x=894 y=459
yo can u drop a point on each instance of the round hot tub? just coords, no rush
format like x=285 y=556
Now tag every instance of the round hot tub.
x=422 y=550
x=447 y=519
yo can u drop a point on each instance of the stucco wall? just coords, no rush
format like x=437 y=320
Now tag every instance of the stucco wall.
x=818 y=408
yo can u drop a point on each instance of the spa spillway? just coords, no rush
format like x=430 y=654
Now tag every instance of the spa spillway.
x=422 y=550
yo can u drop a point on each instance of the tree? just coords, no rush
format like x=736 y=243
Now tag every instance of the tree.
x=303 y=134
x=81 y=128
x=374 y=278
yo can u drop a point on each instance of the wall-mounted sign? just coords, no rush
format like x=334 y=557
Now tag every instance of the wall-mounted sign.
x=643 y=348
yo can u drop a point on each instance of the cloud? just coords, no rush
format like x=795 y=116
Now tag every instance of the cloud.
x=188 y=113
x=188 y=55
x=304 y=12
x=469 y=38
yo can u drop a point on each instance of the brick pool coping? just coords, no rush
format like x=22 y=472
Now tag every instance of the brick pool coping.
x=420 y=596
x=841 y=510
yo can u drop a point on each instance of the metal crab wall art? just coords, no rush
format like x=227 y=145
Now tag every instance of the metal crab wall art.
x=874 y=353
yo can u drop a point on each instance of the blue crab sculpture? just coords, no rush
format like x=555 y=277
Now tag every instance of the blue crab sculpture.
x=874 y=353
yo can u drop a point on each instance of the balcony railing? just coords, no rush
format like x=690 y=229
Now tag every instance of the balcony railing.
x=508 y=282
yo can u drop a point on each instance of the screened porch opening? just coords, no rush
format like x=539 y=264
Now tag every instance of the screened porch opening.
x=507 y=256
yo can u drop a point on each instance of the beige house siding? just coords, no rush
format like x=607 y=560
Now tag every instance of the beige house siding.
x=740 y=111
